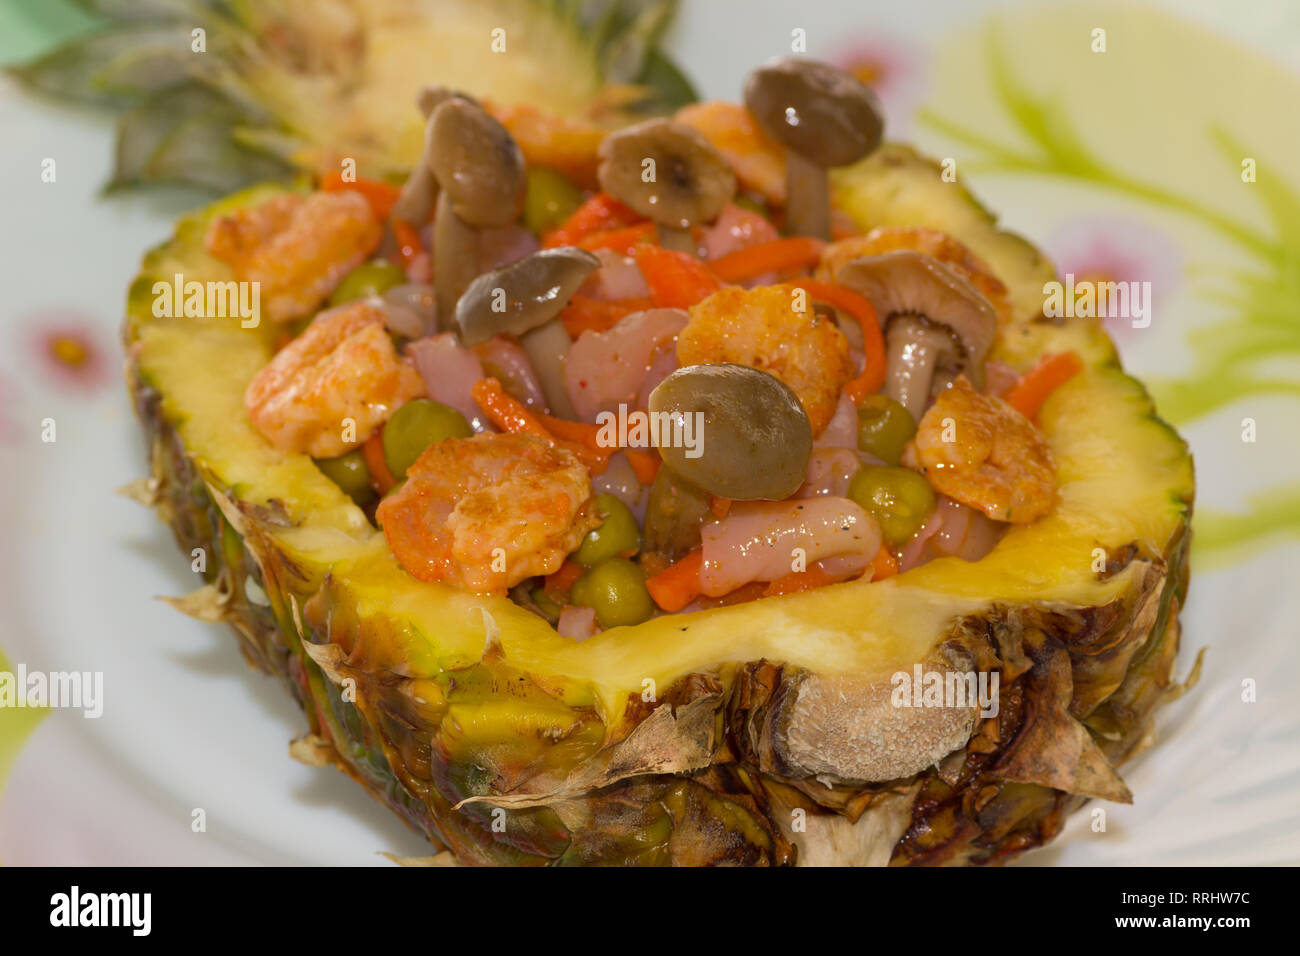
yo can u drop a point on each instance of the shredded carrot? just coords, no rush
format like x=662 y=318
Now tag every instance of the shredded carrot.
x=408 y=241
x=884 y=564
x=645 y=464
x=676 y=280
x=511 y=415
x=678 y=584
x=719 y=506
x=380 y=477
x=859 y=307
x=797 y=581
x=792 y=254
x=381 y=195
x=506 y=412
x=587 y=314
x=622 y=240
x=600 y=213
x=1027 y=395
x=561 y=582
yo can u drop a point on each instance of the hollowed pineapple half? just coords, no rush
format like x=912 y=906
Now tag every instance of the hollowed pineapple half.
x=760 y=733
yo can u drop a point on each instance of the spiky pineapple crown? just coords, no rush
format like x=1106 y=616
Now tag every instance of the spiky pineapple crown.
x=222 y=93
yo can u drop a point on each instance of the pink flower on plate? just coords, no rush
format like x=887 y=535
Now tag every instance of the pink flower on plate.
x=69 y=352
x=1115 y=249
x=894 y=69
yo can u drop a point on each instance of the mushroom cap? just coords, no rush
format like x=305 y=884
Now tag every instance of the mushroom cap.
x=759 y=438
x=476 y=162
x=532 y=292
x=429 y=98
x=906 y=282
x=820 y=112
x=692 y=180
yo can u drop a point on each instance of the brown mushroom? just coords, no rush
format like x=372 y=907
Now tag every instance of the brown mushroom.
x=525 y=299
x=420 y=191
x=667 y=172
x=480 y=173
x=934 y=320
x=825 y=118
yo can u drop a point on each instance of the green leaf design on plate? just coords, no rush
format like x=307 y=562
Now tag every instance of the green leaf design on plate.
x=1237 y=355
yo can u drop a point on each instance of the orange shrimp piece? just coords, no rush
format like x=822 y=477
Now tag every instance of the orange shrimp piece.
x=760 y=328
x=757 y=159
x=297 y=248
x=566 y=145
x=931 y=242
x=486 y=512
x=342 y=367
x=978 y=450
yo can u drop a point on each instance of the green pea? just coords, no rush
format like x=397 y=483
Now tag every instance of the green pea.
x=753 y=204
x=549 y=609
x=417 y=425
x=900 y=499
x=350 y=473
x=550 y=199
x=615 y=590
x=370 y=278
x=884 y=427
x=617 y=534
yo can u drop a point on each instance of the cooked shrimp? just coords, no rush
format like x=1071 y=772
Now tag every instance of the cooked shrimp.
x=931 y=242
x=757 y=159
x=297 y=248
x=760 y=328
x=978 y=450
x=484 y=513
x=342 y=367
x=566 y=145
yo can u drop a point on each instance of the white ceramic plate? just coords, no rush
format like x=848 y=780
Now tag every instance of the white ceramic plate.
x=186 y=725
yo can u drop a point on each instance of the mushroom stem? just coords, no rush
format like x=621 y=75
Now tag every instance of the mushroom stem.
x=455 y=258
x=677 y=239
x=418 y=197
x=915 y=349
x=546 y=347
x=808 y=197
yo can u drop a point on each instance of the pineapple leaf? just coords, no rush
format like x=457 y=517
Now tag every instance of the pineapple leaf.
x=114 y=66
x=151 y=145
x=126 y=10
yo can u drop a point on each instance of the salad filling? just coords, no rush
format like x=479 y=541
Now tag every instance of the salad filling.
x=677 y=379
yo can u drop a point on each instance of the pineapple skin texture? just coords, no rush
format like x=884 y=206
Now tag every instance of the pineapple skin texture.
x=706 y=774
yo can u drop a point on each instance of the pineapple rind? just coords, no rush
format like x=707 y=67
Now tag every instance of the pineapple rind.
x=465 y=698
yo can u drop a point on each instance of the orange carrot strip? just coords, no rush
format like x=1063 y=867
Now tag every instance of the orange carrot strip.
x=511 y=415
x=561 y=581
x=645 y=464
x=381 y=196
x=797 y=581
x=676 y=280
x=678 y=584
x=1027 y=395
x=408 y=241
x=623 y=240
x=780 y=255
x=584 y=313
x=859 y=307
x=380 y=477
x=884 y=564
x=600 y=213
x=506 y=412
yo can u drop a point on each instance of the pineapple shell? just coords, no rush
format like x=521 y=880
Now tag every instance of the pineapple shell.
x=756 y=734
